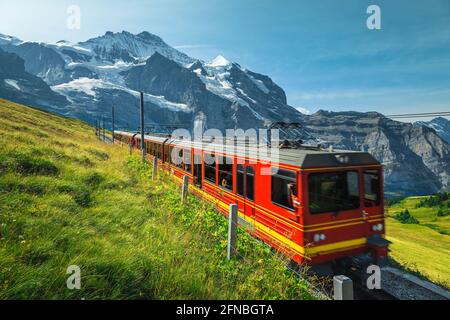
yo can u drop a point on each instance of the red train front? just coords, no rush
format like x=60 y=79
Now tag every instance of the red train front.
x=316 y=206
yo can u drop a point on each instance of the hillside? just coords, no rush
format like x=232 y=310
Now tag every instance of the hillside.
x=423 y=244
x=68 y=199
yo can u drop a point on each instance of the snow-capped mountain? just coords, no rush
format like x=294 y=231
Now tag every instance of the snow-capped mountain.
x=84 y=80
x=91 y=73
x=18 y=85
x=440 y=125
x=132 y=48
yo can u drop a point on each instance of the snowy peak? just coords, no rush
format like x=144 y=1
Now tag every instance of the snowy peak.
x=129 y=47
x=218 y=62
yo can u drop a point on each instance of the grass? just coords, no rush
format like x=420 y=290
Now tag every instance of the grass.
x=423 y=248
x=68 y=199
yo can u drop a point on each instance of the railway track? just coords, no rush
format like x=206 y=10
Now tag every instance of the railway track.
x=397 y=285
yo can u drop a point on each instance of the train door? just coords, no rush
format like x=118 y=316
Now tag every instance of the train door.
x=245 y=188
x=198 y=169
x=249 y=183
x=240 y=174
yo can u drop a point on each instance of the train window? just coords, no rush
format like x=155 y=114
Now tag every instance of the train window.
x=167 y=154
x=284 y=185
x=372 y=191
x=240 y=180
x=226 y=173
x=250 y=183
x=187 y=160
x=154 y=149
x=178 y=157
x=333 y=192
x=210 y=167
x=170 y=155
x=159 y=151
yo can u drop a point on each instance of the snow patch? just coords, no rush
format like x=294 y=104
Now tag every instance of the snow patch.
x=120 y=64
x=245 y=95
x=198 y=71
x=13 y=83
x=84 y=85
x=303 y=110
x=162 y=102
x=69 y=45
x=256 y=114
x=261 y=86
x=88 y=87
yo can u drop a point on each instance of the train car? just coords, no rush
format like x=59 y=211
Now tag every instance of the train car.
x=316 y=206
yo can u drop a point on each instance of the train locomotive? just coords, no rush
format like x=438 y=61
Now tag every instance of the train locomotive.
x=317 y=206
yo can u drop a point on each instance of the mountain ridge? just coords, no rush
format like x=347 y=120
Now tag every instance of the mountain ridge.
x=440 y=125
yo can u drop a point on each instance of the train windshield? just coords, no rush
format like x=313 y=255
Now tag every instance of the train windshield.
x=372 y=188
x=333 y=192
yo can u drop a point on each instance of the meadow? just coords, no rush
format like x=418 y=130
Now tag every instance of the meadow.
x=422 y=247
x=67 y=198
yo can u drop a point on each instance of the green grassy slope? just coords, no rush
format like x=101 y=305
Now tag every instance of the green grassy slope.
x=69 y=199
x=424 y=247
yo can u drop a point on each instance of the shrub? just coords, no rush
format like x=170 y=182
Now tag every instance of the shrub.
x=34 y=188
x=99 y=154
x=434 y=200
x=81 y=195
x=443 y=213
x=3 y=164
x=406 y=218
x=94 y=179
x=85 y=162
x=27 y=165
x=392 y=201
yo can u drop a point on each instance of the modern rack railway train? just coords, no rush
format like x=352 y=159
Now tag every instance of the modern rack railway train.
x=317 y=206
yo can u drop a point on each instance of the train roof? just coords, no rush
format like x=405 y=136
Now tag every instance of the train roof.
x=306 y=157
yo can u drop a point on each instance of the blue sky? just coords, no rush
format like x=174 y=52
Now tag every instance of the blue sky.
x=320 y=52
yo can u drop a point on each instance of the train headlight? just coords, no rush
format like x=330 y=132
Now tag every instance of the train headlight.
x=377 y=227
x=319 y=237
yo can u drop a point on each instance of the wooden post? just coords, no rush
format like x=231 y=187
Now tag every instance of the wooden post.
x=155 y=168
x=342 y=288
x=232 y=230
x=184 y=190
x=112 y=123
x=142 y=127
x=103 y=128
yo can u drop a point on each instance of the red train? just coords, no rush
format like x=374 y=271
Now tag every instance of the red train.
x=314 y=205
